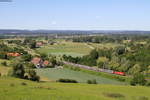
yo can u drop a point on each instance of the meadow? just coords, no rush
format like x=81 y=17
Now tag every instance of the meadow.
x=55 y=74
x=68 y=48
x=72 y=48
x=104 y=45
x=18 y=89
x=4 y=69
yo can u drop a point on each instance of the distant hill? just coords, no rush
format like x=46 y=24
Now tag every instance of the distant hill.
x=26 y=32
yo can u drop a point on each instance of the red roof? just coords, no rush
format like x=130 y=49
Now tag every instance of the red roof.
x=39 y=43
x=46 y=62
x=13 y=54
x=36 y=60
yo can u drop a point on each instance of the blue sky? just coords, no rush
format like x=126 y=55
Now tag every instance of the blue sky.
x=75 y=14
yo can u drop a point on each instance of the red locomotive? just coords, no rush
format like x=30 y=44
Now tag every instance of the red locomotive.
x=119 y=73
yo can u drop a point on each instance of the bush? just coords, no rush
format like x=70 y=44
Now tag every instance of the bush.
x=114 y=95
x=33 y=76
x=92 y=81
x=12 y=84
x=36 y=78
x=138 y=79
x=23 y=83
x=89 y=81
x=148 y=84
x=18 y=70
x=4 y=63
x=67 y=81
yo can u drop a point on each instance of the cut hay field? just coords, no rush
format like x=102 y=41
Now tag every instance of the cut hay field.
x=55 y=74
x=17 y=89
x=68 y=48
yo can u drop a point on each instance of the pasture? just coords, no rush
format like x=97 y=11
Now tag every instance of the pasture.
x=4 y=69
x=55 y=74
x=68 y=48
x=18 y=89
x=103 y=45
x=72 y=48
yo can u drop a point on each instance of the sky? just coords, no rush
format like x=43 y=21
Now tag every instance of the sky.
x=75 y=14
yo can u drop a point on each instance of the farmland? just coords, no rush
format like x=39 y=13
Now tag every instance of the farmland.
x=55 y=74
x=19 y=89
x=68 y=48
x=104 y=45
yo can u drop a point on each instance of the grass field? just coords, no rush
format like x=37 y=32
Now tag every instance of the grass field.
x=104 y=45
x=73 y=49
x=4 y=69
x=17 y=89
x=55 y=74
x=68 y=48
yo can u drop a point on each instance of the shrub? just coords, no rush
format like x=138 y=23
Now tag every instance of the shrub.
x=18 y=70
x=34 y=76
x=92 y=81
x=148 y=84
x=89 y=81
x=67 y=81
x=138 y=79
x=114 y=95
x=12 y=85
x=4 y=63
x=23 y=83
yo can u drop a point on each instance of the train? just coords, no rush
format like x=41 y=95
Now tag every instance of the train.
x=96 y=69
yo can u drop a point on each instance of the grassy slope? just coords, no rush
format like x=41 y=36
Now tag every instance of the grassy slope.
x=55 y=74
x=11 y=89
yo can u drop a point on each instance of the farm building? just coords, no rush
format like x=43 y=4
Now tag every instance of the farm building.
x=39 y=63
x=39 y=44
x=13 y=54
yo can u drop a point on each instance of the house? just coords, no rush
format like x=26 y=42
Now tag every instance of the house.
x=39 y=44
x=46 y=63
x=39 y=63
x=13 y=54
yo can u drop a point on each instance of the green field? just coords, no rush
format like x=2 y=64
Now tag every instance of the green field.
x=68 y=48
x=104 y=45
x=18 y=89
x=4 y=69
x=55 y=74
x=73 y=49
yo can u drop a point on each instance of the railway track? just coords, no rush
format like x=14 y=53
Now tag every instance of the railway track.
x=89 y=68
